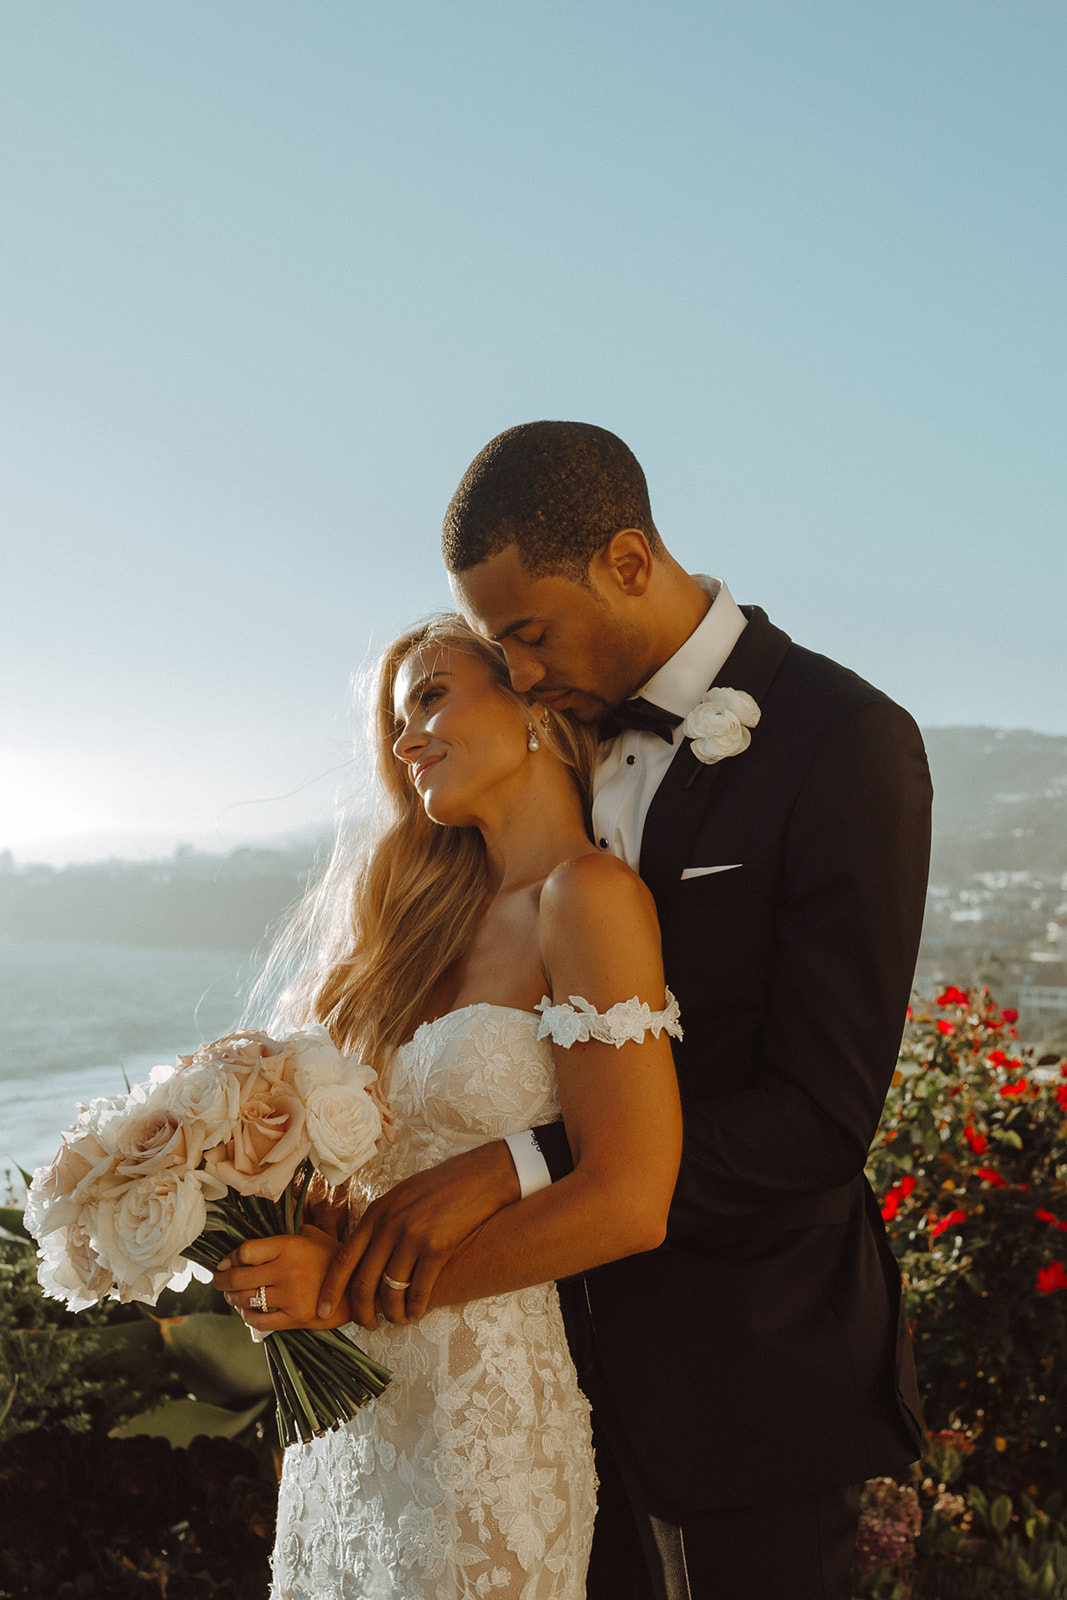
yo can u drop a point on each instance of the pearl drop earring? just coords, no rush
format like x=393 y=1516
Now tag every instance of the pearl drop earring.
x=532 y=742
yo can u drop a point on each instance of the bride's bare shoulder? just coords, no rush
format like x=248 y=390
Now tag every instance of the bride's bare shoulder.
x=594 y=885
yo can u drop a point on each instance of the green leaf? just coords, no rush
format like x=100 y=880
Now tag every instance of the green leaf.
x=979 y=1502
x=1007 y=1136
x=128 y=1347
x=217 y=1358
x=12 y=1224
x=1000 y=1513
x=180 y=1421
x=9 y=1402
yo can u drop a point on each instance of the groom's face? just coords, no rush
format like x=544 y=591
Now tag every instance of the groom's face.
x=575 y=647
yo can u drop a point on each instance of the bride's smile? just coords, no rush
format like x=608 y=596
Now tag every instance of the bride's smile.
x=470 y=746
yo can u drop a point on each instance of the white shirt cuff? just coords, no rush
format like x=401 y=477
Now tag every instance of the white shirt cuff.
x=530 y=1164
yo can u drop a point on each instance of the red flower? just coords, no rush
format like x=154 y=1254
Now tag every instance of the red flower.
x=990 y=1175
x=997 y=1058
x=900 y=1191
x=977 y=1141
x=945 y=1027
x=1010 y=1015
x=1047 y=1216
x=1020 y=1086
x=1051 y=1278
x=954 y=997
x=1061 y=1095
x=1063 y=1069
x=953 y=1220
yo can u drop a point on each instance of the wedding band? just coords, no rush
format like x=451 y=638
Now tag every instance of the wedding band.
x=399 y=1287
x=259 y=1299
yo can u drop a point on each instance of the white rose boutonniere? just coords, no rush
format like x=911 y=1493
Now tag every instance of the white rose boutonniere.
x=719 y=725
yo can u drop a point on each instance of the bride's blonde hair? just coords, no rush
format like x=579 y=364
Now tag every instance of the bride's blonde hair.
x=393 y=911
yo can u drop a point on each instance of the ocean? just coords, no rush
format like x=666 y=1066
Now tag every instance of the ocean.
x=75 y=1017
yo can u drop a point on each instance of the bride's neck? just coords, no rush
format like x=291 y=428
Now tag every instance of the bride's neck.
x=533 y=837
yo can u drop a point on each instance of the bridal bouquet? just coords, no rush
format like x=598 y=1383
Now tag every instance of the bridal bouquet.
x=218 y=1149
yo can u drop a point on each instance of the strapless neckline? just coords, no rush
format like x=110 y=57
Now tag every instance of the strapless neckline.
x=475 y=1005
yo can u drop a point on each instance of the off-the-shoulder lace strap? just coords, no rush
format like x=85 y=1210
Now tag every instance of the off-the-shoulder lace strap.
x=627 y=1021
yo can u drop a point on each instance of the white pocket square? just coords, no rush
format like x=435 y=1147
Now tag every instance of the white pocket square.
x=702 y=872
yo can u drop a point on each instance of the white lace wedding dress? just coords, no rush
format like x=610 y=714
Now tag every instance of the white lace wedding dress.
x=472 y=1475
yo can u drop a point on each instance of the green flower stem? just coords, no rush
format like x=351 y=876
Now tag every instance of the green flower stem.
x=320 y=1377
x=294 y=1410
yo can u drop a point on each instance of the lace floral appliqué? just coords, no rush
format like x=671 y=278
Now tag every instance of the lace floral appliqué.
x=624 y=1023
x=472 y=1476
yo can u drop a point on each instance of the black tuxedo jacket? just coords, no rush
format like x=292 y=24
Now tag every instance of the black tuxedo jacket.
x=761 y=1352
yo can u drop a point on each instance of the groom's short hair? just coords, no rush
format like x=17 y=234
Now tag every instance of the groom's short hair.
x=558 y=491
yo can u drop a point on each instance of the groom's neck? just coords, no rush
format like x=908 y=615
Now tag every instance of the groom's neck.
x=677 y=605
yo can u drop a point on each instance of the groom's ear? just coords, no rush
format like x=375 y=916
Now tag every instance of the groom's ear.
x=624 y=564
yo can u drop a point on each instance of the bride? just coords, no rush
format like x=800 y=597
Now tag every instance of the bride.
x=498 y=971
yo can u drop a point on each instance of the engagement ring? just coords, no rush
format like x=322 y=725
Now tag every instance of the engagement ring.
x=259 y=1299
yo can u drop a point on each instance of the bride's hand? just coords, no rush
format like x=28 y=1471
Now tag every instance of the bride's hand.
x=412 y=1231
x=290 y=1269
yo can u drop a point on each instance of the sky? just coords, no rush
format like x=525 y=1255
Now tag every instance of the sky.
x=272 y=274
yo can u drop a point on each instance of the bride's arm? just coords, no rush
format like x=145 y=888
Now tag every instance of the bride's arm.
x=458 y=1231
x=600 y=940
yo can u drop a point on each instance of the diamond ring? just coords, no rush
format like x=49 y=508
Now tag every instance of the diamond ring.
x=259 y=1299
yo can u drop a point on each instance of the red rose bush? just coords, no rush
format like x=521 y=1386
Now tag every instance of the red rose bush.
x=970 y=1168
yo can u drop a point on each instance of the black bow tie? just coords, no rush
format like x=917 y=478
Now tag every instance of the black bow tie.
x=640 y=714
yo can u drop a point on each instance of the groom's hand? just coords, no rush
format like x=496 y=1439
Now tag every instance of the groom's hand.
x=408 y=1235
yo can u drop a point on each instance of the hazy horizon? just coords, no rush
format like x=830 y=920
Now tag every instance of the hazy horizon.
x=274 y=274
x=125 y=847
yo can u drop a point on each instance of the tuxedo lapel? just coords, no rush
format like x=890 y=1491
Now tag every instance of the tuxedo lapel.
x=690 y=785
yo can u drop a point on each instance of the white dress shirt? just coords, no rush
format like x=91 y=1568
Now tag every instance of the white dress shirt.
x=631 y=767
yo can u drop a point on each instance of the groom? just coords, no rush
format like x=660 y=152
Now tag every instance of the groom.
x=747 y=1376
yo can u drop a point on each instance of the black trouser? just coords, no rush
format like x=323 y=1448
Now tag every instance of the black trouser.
x=796 y=1549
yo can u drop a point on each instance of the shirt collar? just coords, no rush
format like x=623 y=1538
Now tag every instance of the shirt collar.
x=680 y=682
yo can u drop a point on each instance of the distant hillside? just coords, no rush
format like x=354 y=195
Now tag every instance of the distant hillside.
x=191 y=901
x=1000 y=802
x=1000 y=808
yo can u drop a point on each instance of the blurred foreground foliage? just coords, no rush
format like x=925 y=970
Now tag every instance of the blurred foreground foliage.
x=136 y=1454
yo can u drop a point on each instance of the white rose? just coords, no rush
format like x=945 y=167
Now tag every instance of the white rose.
x=204 y=1095
x=719 y=725
x=141 y=1234
x=318 y=1062
x=69 y=1269
x=344 y=1125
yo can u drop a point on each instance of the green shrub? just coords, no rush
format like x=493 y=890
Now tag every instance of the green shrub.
x=971 y=1166
x=75 y=1372
x=86 y=1513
